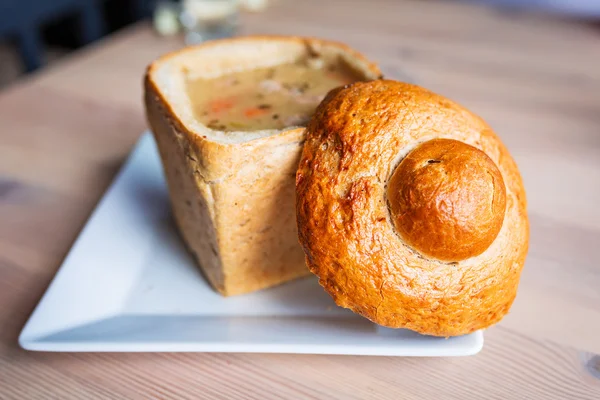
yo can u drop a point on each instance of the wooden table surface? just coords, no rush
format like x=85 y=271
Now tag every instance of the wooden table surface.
x=66 y=131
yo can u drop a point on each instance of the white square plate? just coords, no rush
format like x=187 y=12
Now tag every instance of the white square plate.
x=128 y=284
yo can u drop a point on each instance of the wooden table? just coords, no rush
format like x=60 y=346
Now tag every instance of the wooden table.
x=65 y=132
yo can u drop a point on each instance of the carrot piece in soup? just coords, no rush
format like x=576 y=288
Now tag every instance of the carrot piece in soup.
x=254 y=112
x=219 y=105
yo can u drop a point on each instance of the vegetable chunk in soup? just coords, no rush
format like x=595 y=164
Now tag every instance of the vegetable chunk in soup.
x=267 y=98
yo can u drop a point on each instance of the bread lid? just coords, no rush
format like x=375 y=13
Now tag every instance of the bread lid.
x=167 y=77
x=410 y=210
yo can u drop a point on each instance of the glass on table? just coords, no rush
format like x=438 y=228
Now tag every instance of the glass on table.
x=209 y=19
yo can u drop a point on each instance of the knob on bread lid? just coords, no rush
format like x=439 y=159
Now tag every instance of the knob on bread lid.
x=447 y=200
x=410 y=210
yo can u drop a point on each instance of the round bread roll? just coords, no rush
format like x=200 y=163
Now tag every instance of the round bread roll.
x=410 y=210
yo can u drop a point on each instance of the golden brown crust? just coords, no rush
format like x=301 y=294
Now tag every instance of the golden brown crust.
x=354 y=143
x=447 y=200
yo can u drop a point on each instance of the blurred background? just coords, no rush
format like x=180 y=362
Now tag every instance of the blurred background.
x=37 y=33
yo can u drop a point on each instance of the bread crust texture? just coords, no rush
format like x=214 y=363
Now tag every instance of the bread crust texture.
x=232 y=193
x=410 y=210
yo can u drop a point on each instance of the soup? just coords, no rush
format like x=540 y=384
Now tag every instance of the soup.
x=268 y=98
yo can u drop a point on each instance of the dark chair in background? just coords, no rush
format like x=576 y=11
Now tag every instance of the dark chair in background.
x=24 y=21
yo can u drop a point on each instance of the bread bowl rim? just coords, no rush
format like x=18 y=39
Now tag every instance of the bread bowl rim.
x=361 y=64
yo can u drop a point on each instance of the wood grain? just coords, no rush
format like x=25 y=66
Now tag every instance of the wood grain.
x=66 y=131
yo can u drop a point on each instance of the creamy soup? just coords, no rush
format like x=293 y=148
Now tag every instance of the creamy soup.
x=267 y=98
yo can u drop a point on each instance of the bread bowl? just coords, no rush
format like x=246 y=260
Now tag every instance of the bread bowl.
x=410 y=210
x=232 y=192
